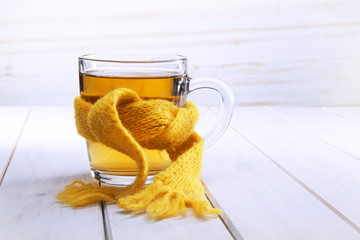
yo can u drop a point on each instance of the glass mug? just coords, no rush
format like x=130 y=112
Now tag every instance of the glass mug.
x=152 y=77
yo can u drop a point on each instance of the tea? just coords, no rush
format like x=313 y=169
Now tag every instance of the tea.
x=95 y=84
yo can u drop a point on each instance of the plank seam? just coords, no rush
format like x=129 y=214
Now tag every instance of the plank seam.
x=105 y=220
x=184 y=33
x=106 y=225
x=340 y=115
x=7 y=164
x=235 y=234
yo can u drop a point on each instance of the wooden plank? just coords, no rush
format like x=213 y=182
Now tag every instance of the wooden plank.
x=327 y=173
x=255 y=81
x=12 y=120
x=49 y=155
x=335 y=130
x=256 y=63
x=260 y=198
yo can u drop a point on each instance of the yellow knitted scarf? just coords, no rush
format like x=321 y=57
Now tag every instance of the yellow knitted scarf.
x=126 y=123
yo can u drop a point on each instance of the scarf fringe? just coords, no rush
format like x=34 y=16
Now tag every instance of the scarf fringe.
x=79 y=194
x=162 y=201
x=159 y=201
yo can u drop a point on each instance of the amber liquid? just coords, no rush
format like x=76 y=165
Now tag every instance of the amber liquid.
x=94 y=85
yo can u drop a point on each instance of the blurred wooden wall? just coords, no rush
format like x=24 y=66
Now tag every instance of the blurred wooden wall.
x=290 y=52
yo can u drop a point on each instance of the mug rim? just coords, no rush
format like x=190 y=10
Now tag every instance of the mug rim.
x=133 y=58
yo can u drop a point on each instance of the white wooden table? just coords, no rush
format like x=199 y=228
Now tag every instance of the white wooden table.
x=278 y=173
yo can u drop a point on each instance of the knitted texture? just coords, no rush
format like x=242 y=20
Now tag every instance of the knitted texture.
x=126 y=123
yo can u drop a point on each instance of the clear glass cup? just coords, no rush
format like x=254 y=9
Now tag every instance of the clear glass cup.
x=152 y=77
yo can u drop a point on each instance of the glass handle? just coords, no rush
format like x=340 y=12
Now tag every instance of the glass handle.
x=227 y=104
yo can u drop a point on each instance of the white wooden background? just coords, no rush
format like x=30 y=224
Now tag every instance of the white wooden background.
x=271 y=52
